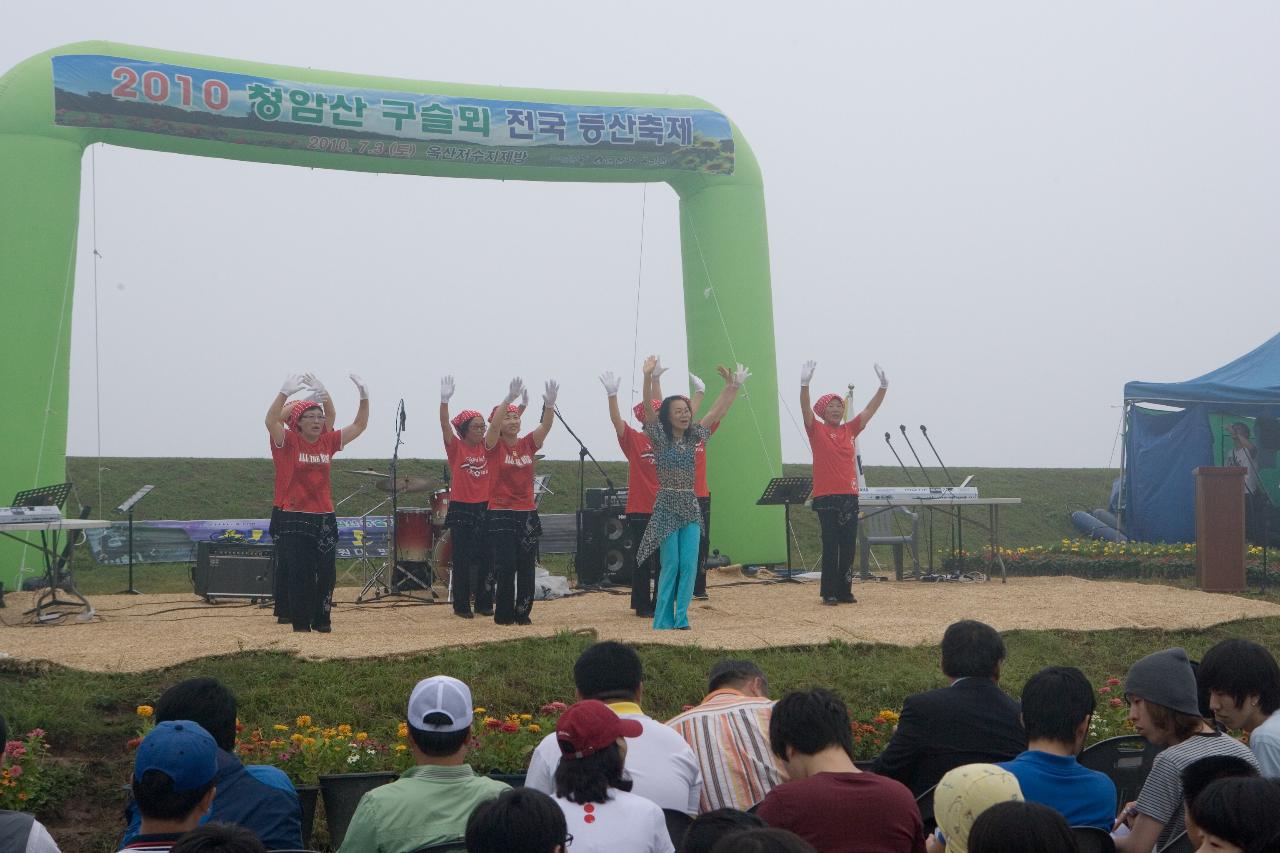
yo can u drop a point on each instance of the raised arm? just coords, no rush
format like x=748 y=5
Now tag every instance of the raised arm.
x=495 y=424
x=352 y=431
x=650 y=389
x=549 y=393
x=611 y=385
x=876 y=399
x=806 y=407
x=727 y=396
x=321 y=395
x=275 y=425
x=699 y=391
x=446 y=394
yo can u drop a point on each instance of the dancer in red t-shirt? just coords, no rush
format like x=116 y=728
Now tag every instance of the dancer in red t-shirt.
x=307 y=526
x=835 y=480
x=512 y=524
x=468 y=501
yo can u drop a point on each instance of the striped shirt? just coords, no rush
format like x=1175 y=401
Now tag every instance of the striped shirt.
x=729 y=734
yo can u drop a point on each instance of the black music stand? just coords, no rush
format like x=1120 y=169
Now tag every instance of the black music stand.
x=127 y=506
x=786 y=491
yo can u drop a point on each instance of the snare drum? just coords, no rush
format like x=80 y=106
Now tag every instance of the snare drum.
x=439 y=507
x=414 y=535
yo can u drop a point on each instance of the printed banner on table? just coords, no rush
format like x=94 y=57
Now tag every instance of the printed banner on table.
x=175 y=541
x=155 y=97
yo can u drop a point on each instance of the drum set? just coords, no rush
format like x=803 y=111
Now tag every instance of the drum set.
x=421 y=553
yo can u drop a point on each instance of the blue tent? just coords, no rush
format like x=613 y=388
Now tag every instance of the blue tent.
x=1166 y=442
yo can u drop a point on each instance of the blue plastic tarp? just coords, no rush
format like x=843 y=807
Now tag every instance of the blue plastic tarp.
x=1252 y=379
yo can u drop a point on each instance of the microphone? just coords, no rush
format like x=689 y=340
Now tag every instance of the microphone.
x=402 y=419
x=903 y=427
x=925 y=431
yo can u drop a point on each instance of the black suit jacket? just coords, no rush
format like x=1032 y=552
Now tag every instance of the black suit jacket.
x=970 y=722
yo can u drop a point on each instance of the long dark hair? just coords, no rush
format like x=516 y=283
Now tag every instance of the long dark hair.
x=664 y=416
x=588 y=780
x=1015 y=827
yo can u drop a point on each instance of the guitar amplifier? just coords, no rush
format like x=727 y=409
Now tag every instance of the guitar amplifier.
x=233 y=571
x=605 y=498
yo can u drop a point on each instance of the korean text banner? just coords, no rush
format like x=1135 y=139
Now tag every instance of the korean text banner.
x=155 y=97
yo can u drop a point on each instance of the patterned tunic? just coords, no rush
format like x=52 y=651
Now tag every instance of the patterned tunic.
x=676 y=504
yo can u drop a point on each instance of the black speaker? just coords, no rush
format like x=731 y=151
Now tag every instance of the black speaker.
x=606 y=552
x=233 y=571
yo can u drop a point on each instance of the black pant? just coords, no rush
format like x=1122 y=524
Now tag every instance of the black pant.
x=279 y=570
x=644 y=576
x=838 y=515
x=513 y=562
x=312 y=574
x=704 y=545
x=472 y=570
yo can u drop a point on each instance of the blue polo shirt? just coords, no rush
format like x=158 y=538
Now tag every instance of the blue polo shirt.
x=1084 y=797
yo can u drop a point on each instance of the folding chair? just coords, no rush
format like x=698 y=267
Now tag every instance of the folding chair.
x=884 y=526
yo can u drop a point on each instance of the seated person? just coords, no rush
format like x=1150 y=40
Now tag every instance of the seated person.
x=1057 y=705
x=592 y=790
x=219 y=838
x=828 y=801
x=432 y=801
x=20 y=831
x=1164 y=709
x=709 y=827
x=1239 y=815
x=174 y=777
x=270 y=809
x=1243 y=682
x=962 y=795
x=970 y=721
x=765 y=840
x=1199 y=774
x=521 y=820
x=1017 y=827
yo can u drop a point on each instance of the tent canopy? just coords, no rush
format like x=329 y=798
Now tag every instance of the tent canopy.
x=1163 y=448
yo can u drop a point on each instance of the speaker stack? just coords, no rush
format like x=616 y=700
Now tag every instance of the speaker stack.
x=233 y=571
x=606 y=550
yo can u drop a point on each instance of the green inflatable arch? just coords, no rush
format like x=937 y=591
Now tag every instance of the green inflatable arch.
x=55 y=104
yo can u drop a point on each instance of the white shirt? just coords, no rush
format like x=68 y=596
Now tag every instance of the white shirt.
x=1265 y=743
x=661 y=765
x=626 y=824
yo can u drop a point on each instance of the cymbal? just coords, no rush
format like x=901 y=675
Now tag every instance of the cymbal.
x=368 y=472
x=407 y=484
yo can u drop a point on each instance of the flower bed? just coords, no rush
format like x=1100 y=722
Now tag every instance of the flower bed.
x=28 y=781
x=1098 y=559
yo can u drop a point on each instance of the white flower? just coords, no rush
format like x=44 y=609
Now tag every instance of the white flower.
x=372 y=751
x=352 y=759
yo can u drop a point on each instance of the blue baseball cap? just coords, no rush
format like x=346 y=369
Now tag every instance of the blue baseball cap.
x=181 y=750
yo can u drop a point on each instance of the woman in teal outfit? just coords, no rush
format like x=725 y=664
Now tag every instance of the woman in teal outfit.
x=676 y=524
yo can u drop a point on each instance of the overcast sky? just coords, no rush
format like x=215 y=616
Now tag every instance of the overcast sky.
x=1013 y=207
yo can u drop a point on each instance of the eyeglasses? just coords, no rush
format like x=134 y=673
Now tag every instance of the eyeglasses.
x=316 y=416
x=568 y=839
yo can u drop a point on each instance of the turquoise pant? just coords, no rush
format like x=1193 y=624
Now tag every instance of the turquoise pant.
x=678 y=555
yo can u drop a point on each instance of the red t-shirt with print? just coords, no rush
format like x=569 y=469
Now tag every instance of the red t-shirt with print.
x=282 y=479
x=834 y=451
x=468 y=471
x=642 y=470
x=511 y=474
x=700 y=487
x=304 y=469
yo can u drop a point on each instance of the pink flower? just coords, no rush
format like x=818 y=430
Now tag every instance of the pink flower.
x=1116 y=702
x=15 y=749
x=553 y=708
x=15 y=771
x=35 y=733
x=1112 y=682
x=1104 y=690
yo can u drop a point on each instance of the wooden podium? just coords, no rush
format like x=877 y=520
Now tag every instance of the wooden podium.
x=1220 y=548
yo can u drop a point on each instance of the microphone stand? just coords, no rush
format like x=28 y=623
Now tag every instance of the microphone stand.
x=583 y=454
x=925 y=431
x=889 y=441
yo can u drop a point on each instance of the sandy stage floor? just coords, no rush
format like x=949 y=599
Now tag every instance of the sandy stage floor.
x=131 y=633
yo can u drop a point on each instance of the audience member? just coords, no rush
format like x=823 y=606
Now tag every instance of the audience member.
x=1197 y=776
x=1239 y=815
x=1161 y=691
x=432 y=801
x=20 y=831
x=602 y=813
x=709 y=827
x=1243 y=681
x=1017 y=827
x=270 y=809
x=729 y=733
x=961 y=796
x=519 y=821
x=970 y=721
x=174 y=777
x=661 y=765
x=1057 y=705
x=828 y=801
x=219 y=838
x=766 y=840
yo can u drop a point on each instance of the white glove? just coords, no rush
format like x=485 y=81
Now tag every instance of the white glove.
x=699 y=387
x=446 y=390
x=658 y=369
x=292 y=384
x=318 y=395
x=806 y=372
x=524 y=398
x=309 y=379
x=884 y=383
x=740 y=375
x=360 y=386
x=549 y=393
x=513 y=391
x=610 y=382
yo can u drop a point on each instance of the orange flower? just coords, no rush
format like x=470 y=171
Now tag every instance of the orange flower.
x=303 y=721
x=145 y=711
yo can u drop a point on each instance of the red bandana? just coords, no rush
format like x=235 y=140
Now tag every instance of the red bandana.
x=820 y=407
x=638 y=409
x=512 y=408
x=463 y=418
x=299 y=407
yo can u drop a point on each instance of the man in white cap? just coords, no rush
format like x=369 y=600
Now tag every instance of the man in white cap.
x=431 y=802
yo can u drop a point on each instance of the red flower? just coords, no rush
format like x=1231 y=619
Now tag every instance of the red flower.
x=1112 y=682
x=491 y=723
x=1116 y=702
x=1104 y=690
x=133 y=744
x=510 y=727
